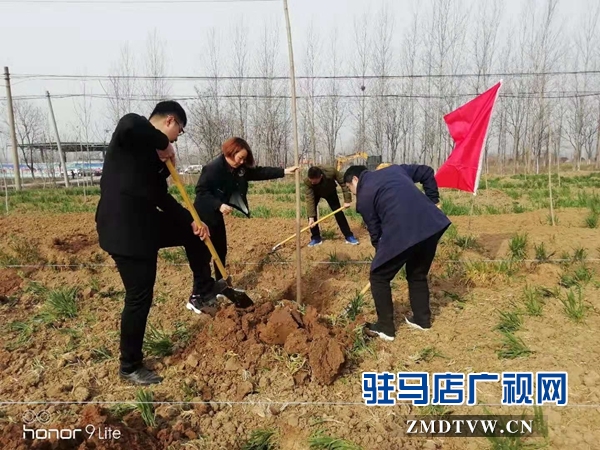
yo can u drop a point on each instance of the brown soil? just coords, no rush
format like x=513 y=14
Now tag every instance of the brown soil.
x=278 y=352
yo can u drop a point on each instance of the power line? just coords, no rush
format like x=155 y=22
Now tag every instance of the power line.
x=556 y=95
x=286 y=78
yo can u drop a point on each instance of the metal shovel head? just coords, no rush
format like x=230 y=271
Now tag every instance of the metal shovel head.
x=239 y=298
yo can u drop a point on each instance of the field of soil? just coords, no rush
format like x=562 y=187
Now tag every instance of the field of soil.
x=295 y=369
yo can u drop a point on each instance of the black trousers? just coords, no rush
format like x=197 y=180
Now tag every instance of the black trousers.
x=334 y=203
x=418 y=259
x=218 y=236
x=139 y=274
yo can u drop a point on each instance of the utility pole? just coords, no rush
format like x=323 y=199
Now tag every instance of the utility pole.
x=13 y=133
x=60 y=152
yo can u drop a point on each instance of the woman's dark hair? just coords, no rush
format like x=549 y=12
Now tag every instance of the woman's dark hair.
x=234 y=145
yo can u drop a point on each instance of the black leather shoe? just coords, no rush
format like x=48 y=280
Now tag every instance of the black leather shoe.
x=143 y=376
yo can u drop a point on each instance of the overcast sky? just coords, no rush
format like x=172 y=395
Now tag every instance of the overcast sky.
x=54 y=38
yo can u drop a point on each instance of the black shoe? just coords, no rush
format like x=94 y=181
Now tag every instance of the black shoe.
x=376 y=330
x=199 y=304
x=410 y=320
x=142 y=376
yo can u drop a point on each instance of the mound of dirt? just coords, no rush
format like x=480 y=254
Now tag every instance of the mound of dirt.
x=10 y=281
x=72 y=244
x=251 y=333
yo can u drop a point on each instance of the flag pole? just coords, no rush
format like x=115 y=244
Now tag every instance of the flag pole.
x=479 y=167
x=481 y=157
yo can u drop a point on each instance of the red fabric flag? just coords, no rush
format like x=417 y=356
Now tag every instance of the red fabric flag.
x=468 y=126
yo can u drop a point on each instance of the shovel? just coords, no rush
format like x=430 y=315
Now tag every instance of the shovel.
x=238 y=297
x=307 y=228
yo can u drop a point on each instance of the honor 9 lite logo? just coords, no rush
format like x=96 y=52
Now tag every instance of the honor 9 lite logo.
x=34 y=428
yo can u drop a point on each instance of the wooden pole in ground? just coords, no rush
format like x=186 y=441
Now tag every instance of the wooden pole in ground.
x=550 y=179
x=13 y=133
x=61 y=155
x=296 y=157
x=5 y=189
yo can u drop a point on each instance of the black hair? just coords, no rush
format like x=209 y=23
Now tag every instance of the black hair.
x=169 y=107
x=353 y=171
x=314 y=172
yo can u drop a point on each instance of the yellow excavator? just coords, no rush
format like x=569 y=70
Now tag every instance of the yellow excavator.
x=340 y=160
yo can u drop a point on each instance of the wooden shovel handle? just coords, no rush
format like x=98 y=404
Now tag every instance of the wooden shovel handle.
x=199 y=223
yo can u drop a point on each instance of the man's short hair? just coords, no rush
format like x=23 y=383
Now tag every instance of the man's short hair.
x=170 y=107
x=353 y=171
x=314 y=172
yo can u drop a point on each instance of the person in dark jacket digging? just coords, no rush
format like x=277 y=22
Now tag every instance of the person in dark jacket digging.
x=321 y=183
x=223 y=185
x=132 y=229
x=405 y=227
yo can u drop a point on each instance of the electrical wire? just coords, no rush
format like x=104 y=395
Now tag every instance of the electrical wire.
x=516 y=95
x=301 y=77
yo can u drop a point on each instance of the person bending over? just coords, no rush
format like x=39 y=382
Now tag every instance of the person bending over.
x=405 y=227
x=322 y=182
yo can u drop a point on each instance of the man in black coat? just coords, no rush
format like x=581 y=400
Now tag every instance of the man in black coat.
x=132 y=229
x=405 y=228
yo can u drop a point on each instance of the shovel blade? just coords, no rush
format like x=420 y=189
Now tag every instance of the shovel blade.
x=239 y=298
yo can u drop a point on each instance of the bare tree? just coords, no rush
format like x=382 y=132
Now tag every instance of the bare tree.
x=331 y=110
x=361 y=61
x=30 y=125
x=155 y=88
x=121 y=87
x=83 y=127
x=516 y=106
x=582 y=119
x=384 y=117
x=309 y=88
x=408 y=105
x=544 y=56
x=209 y=126
x=239 y=86
x=271 y=117
x=484 y=46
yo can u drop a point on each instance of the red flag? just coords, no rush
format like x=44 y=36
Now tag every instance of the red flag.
x=468 y=126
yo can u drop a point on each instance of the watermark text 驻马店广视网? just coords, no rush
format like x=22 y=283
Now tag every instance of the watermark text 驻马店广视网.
x=455 y=389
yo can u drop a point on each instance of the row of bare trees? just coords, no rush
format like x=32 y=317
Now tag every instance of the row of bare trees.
x=401 y=118
x=384 y=87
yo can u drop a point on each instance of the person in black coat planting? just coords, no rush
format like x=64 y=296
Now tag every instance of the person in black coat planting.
x=132 y=229
x=223 y=185
x=405 y=227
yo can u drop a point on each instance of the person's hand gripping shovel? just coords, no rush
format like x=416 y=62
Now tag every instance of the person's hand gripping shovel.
x=237 y=296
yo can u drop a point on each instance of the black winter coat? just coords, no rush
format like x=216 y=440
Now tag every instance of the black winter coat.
x=396 y=212
x=132 y=188
x=220 y=184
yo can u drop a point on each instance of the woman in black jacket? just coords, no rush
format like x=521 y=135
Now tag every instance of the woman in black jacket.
x=223 y=185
